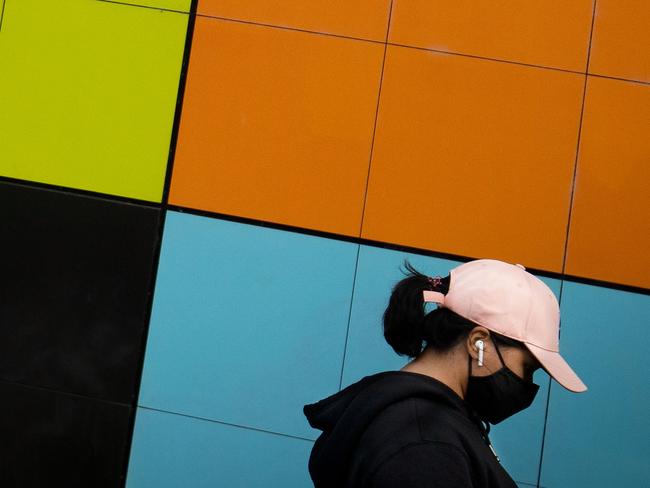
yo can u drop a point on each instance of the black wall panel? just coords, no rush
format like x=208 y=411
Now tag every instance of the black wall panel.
x=76 y=274
x=50 y=439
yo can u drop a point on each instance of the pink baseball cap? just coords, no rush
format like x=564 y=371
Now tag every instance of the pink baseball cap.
x=508 y=300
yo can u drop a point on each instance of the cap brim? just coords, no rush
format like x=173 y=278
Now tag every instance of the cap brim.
x=558 y=368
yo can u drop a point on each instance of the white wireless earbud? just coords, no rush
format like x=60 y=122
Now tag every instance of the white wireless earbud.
x=480 y=346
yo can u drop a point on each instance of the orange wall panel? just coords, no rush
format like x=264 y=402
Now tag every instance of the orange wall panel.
x=277 y=125
x=474 y=157
x=551 y=33
x=621 y=39
x=366 y=19
x=610 y=228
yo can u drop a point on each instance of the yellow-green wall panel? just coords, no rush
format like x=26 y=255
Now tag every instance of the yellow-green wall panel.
x=180 y=5
x=87 y=94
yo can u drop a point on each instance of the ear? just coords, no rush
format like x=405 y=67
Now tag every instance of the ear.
x=477 y=333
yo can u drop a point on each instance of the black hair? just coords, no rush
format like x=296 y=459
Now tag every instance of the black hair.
x=408 y=329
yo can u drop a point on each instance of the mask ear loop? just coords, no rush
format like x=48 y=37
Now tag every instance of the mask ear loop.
x=483 y=426
x=503 y=363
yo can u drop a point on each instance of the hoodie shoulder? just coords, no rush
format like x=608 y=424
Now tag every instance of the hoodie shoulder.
x=370 y=419
x=413 y=421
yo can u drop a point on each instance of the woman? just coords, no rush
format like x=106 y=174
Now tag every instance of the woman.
x=474 y=356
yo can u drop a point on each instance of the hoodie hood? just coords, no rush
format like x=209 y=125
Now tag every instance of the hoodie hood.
x=344 y=417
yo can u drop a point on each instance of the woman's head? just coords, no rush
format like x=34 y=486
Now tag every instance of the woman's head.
x=408 y=329
x=500 y=304
x=492 y=372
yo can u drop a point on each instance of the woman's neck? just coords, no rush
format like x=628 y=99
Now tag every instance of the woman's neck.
x=443 y=367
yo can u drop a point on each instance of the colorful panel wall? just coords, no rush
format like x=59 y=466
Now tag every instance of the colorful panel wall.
x=204 y=205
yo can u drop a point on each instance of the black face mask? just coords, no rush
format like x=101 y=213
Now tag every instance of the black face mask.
x=496 y=397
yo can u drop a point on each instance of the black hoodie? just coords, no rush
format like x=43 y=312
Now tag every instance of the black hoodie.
x=401 y=429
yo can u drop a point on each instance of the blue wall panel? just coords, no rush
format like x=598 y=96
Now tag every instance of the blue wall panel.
x=248 y=323
x=172 y=451
x=601 y=437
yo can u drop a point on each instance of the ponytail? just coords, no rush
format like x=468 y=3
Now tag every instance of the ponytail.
x=407 y=328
